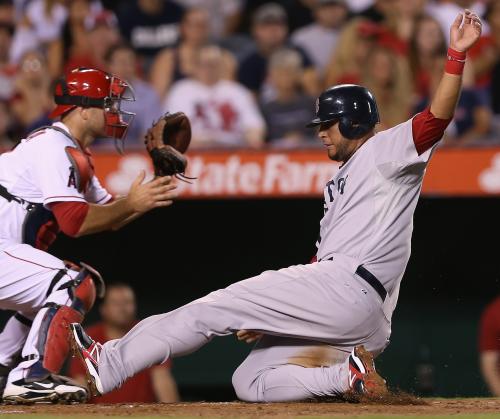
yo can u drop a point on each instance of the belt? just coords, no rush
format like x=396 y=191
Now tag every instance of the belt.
x=371 y=279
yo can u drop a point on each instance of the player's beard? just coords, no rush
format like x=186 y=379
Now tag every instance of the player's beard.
x=338 y=152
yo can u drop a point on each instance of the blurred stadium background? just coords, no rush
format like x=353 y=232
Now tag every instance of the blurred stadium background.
x=247 y=73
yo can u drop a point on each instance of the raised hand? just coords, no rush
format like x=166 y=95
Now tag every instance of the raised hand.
x=465 y=31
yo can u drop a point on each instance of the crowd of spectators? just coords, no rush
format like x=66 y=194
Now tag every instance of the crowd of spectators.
x=247 y=72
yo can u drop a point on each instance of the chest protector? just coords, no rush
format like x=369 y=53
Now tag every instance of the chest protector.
x=40 y=227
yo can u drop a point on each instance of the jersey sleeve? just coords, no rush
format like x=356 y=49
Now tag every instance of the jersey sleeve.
x=96 y=193
x=396 y=155
x=55 y=176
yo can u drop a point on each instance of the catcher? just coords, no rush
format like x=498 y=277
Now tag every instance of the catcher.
x=47 y=184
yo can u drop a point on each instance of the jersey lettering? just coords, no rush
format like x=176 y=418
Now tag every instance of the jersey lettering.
x=341 y=184
x=72 y=177
x=329 y=187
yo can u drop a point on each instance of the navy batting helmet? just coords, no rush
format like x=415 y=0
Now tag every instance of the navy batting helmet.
x=353 y=106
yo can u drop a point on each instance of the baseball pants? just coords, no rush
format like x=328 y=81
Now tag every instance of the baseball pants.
x=312 y=316
x=26 y=275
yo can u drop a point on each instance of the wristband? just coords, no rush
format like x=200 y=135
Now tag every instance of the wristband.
x=455 y=62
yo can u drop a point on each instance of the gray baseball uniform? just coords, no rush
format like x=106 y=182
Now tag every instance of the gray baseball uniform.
x=312 y=315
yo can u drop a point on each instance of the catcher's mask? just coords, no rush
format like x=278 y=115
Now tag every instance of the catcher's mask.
x=88 y=87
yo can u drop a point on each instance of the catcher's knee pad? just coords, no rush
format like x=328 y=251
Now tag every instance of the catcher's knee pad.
x=84 y=289
x=53 y=336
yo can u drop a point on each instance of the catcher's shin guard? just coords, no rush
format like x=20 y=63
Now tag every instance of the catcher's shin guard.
x=53 y=336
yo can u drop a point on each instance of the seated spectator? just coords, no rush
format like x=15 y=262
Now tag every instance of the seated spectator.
x=122 y=61
x=288 y=114
x=485 y=54
x=72 y=48
x=472 y=119
x=358 y=6
x=7 y=12
x=399 y=23
x=102 y=34
x=349 y=58
x=173 y=64
x=222 y=112
x=427 y=44
x=40 y=24
x=375 y=12
x=7 y=70
x=299 y=12
x=224 y=15
x=489 y=346
x=32 y=100
x=319 y=38
x=387 y=76
x=118 y=314
x=270 y=31
x=149 y=26
x=6 y=139
x=445 y=12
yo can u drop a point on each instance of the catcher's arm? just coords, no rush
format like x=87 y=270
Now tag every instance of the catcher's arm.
x=127 y=220
x=142 y=198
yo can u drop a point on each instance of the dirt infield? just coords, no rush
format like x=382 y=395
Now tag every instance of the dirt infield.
x=434 y=407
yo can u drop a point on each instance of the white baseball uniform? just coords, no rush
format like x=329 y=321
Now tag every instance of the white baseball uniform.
x=312 y=315
x=37 y=171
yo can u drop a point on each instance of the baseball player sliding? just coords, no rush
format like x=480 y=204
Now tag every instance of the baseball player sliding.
x=47 y=183
x=345 y=299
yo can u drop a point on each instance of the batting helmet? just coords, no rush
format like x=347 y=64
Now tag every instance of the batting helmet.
x=88 y=87
x=353 y=106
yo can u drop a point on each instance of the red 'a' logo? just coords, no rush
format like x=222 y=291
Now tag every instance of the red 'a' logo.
x=72 y=177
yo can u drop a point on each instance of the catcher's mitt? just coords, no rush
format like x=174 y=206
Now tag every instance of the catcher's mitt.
x=166 y=140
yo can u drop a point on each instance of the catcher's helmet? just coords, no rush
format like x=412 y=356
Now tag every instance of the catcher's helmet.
x=353 y=106
x=88 y=87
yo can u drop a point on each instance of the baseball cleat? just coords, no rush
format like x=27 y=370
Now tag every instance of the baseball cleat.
x=363 y=378
x=53 y=389
x=89 y=352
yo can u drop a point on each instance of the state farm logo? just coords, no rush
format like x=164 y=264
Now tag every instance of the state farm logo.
x=274 y=175
x=233 y=175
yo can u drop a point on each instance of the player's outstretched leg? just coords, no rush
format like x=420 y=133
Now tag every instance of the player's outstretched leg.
x=315 y=302
x=89 y=352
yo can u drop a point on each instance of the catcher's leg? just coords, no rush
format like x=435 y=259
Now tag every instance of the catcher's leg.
x=39 y=282
x=303 y=302
x=12 y=339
